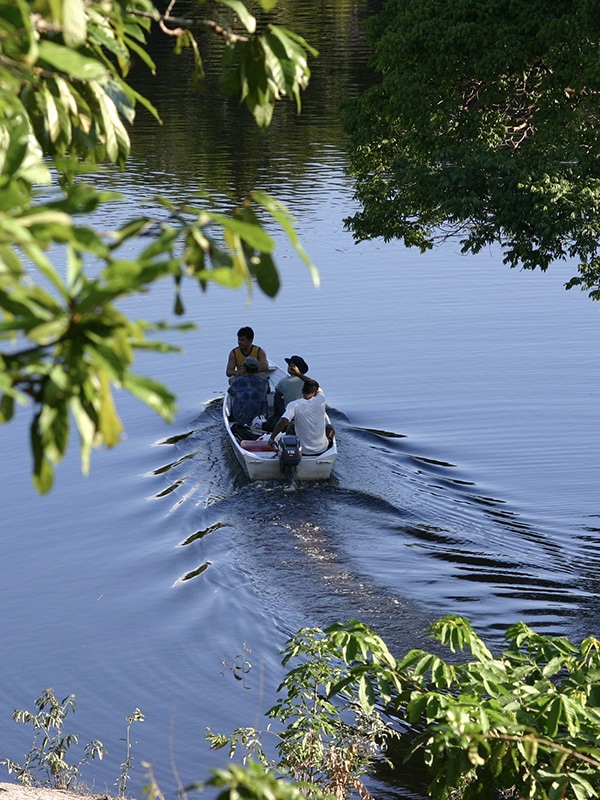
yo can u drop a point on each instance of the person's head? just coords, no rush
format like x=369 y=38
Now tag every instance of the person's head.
x=250 y=365
x=309 y=389
x=299 y=362
x=245 y=336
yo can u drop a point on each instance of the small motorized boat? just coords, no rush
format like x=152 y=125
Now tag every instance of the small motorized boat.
x=285 y=461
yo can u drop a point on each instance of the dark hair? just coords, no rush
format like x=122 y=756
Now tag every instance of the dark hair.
x=310 y=387
x=246 y=333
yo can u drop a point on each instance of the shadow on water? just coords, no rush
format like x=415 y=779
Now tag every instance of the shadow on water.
x=397 y=538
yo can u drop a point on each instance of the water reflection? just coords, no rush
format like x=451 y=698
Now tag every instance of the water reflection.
x=212 y=144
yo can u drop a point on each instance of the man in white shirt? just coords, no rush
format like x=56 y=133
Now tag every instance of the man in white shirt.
x=309 y=417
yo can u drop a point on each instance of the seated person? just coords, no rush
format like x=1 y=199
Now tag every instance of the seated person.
x=245 y=349
x=248 y=393
x=290 y=387
x=309 y=415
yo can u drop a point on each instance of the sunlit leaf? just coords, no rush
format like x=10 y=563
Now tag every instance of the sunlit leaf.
x=252 y=233
x=54 y=430
x=111 y=426
x=366 y=695
x=87 y=432
x=225 y=276
x=284 y=218
x=10 y=261
x=44 y=264
x=274 y=65
x=154 y=394
x=74 y=22
x=71 y=62
x=49 y=332
x=295 y=37
x=246 y=18
x=116 y=138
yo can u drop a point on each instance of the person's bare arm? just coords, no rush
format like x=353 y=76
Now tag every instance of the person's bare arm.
x=282 y=424
x=263 y=361
x=231 y=370
x=293 y=370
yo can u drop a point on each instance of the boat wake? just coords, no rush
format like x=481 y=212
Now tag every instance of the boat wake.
x=396 y=537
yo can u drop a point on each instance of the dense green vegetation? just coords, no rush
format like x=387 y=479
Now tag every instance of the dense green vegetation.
x=521 y=723
x=483 y=125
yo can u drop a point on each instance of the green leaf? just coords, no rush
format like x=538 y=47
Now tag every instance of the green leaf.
x=154 y=394
x=7 y=408
x=45 y=265
x=9 y=261
x=74 y=22
x=366 y=696
x=284 y=218
x=43 y=475
x=87 y=432
x=16 y=19
x=54 y=429
x=116 y=138
x=224 y=276
x=51 y=114
x=113 y=358
x=252 y=233
x=72 y=63
x=49 y=332
x=529 y=747
x=276 y=69
x=246 y=18
x=295 y=37
x=111 y=426
x=582 y=788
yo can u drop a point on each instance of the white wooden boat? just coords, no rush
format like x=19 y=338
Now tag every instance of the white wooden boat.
x=262 y=462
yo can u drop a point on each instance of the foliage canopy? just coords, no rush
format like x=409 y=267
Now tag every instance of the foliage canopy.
x=65 y=106
x=523 y=723
x=483 y=124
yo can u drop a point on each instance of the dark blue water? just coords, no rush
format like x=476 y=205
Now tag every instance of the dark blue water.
x=465 y=397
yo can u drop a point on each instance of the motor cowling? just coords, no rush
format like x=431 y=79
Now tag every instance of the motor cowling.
x=290 y=451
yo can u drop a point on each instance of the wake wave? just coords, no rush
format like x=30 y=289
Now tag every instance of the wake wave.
x=397 y=537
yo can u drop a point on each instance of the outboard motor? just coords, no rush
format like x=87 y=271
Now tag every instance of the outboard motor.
x=290 y=453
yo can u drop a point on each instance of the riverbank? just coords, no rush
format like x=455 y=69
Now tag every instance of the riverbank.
x=14 y=791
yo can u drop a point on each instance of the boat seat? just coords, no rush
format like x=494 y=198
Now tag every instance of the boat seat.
x=257 y=446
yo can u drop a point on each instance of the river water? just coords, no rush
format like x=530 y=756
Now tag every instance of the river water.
x=465 y=397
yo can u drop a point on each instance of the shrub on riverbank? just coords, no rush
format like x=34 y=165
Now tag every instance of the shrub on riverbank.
x=523 y=723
